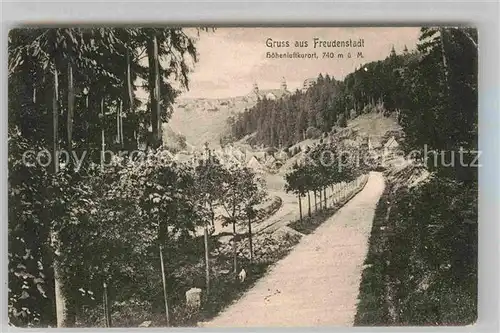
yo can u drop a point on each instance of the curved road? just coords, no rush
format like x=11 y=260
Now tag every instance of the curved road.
x=317 y=284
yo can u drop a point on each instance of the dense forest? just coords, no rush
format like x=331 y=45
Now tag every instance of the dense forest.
x=327 y=103
x=94 y=74
x=72 y=95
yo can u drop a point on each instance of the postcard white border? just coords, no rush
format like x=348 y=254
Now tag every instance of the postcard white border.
x=483 y=15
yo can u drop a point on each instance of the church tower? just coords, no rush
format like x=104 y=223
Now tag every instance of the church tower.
x=283 y=84
x=393 y=51
x=255 y=89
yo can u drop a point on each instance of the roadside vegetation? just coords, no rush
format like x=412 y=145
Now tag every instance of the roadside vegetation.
x=421 y=267
x=339 y=198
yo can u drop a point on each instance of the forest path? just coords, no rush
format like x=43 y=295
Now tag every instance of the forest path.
x=317 y=284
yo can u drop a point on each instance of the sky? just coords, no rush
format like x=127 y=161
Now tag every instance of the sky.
x=231 y=60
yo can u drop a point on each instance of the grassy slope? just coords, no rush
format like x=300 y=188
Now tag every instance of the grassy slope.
x=373 y=124
x=421 y=266
x=205 y=120
x=373 y=307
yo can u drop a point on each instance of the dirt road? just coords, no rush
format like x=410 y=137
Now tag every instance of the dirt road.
x=317 y=284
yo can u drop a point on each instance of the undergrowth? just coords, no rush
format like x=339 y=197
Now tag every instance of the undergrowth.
x=421 y=267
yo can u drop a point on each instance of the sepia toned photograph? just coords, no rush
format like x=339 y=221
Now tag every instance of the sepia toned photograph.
x=242 y=176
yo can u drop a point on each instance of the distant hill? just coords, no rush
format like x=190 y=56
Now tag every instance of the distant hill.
x=203 y=120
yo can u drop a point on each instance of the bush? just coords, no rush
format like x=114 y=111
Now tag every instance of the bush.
x=342 y=120
x=313 y=133
x=184 y=315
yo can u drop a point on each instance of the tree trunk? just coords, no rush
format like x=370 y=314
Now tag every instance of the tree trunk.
x=309 y=202
x=164 y=281
x=107 y=310
x=154 y=84
x=130 y=93
x=319 y=199
x=87 y=127
x=443 y=56
x=320 y=195
x=63 y=317
x=121 y=124
x=118 y=125
x=55 y=121
x=250 y=239
x=332 y=189
x=235 y=258
x=315 y=201
x=300 y=208
x=103 y=142
x=212 y=215
x=130 y=90
x=71 y=106
x=158 y=97
x=207 y=263
x=324 y=197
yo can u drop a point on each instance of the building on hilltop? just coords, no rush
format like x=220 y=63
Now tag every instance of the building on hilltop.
x=271 y=94
x=308 y=83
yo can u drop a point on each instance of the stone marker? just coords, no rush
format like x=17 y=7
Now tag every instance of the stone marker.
x=193 y=298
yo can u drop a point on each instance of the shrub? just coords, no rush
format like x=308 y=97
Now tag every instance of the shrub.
x=313 y=133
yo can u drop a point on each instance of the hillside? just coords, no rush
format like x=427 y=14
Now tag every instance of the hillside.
x=374 y=126
x=203 y=120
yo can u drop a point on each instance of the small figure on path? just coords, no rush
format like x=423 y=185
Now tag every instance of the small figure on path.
x=242 y=275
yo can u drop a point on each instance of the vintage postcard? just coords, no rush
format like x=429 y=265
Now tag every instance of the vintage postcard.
x=242 y=177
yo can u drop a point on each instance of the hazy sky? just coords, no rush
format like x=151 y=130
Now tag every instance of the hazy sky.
x=231 y=60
